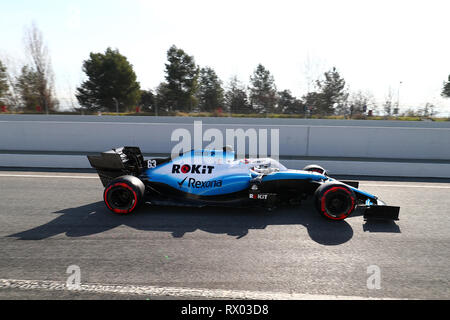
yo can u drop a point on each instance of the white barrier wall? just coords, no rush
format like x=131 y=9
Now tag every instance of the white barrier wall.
x=417 y=148
x=99 y=136
x=369 y=142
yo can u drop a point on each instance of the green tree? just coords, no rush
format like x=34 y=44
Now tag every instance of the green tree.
x=289 y=104
x=147 y=101
x=236 y=99
x=210 y=91
x=162 y=99
x=182 y=77
x=446 y=89
x=4 y=87
x=333 y=95
x=313 y=102
x=28 y=86
x=111 y=80
x=263 y=93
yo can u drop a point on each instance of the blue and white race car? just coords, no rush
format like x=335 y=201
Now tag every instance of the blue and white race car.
x=217 y=178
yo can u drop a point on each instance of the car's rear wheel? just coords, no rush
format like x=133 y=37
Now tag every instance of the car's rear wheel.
x=124 y=195
x=316 y=168
x=335 y=201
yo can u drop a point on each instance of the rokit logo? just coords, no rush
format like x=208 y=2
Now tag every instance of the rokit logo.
x=195 y=168
x=197 y=184
x=258 y=196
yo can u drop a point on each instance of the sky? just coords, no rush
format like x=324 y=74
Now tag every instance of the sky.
x=377 y=45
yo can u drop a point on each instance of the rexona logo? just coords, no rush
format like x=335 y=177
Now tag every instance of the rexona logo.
x=194 y=168
x=197 y=184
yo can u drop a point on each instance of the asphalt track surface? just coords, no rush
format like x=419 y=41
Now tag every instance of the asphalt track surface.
x=52 y=220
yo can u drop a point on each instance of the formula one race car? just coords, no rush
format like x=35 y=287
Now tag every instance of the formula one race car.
x=217 y=178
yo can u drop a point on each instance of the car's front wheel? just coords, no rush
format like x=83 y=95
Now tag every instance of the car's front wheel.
x=335 y=201
x=123 y=195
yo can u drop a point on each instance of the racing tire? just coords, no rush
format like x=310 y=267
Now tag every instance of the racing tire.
x=316 y=168
x=124 y=194
x=335 y=201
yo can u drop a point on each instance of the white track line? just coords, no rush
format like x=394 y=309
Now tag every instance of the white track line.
x=404 y=186
x=46 y=176
x=169 y=291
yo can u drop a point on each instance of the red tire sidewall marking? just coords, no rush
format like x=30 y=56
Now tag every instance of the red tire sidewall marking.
x=124 y=185
x=341 y=217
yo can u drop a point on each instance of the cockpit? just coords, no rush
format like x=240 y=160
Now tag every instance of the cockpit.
x=265 y=166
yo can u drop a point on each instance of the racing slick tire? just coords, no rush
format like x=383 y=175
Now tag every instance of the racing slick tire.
x=316 y=168
x=335 y=201
x=124 y=194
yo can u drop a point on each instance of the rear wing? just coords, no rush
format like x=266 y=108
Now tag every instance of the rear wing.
x=117 y=162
